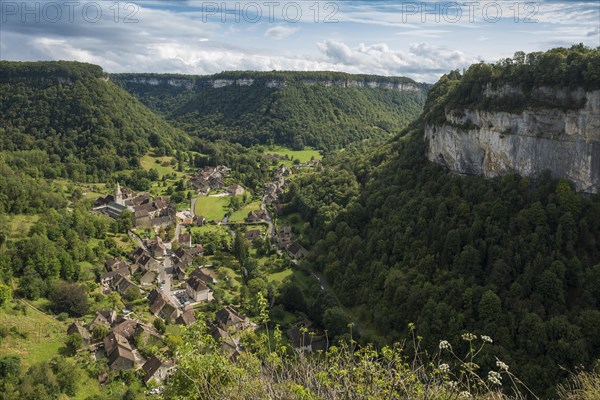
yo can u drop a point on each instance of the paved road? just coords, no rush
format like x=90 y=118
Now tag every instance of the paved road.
x=165 y=276
x=194 y=206
x=269 y=219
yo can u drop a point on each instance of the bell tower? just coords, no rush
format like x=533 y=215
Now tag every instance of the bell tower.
x=119 y=195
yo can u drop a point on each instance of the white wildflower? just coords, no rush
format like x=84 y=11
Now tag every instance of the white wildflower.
x=495 y=378
x=444 y=345
x=469 y=337
x=501 y=365
x=486 y=339
x=464 y=395
x=444 y=368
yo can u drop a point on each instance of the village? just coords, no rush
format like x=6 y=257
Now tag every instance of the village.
x=169 y=275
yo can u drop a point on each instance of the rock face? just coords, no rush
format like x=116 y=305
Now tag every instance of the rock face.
x=494 y=143
x=200 y=82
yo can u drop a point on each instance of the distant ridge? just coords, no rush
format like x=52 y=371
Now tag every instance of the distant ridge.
x=325 y=110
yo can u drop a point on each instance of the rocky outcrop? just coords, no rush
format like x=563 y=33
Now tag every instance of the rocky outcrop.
x=199 y=82
x=494 y=143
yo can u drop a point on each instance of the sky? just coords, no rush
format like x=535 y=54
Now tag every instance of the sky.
x=421 y=40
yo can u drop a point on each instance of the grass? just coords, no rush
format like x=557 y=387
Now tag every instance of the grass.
x=210 y=229
x=123 y=241
x=150 y=162
x=302 y=155
x=35 y=336
x=87 y=271
x=145 y=233
x=288 y=318
x=240 y=215
x=88 y=387
x=280 y=276
x=20 y=225
x=229 y=281
x=212 y=208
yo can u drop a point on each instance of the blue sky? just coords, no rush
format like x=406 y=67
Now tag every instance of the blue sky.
x=421 y=40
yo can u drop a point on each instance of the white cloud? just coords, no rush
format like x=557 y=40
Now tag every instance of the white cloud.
x=422 y=61
x=280 y=32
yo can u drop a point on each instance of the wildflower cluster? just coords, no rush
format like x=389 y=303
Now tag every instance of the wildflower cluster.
x=495 y=378
x=444 y=345
x=501 y=365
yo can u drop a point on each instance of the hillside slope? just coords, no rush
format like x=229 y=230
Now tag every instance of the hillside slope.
x=513 y=259
x=88 y=126
x=325 y=110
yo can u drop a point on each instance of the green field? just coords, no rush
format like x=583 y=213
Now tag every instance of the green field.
x=33 y=335
x=149 y=162
x=280 y=276
x=240 y=215
x=212 y=208
x=210 y=229
x=302 y=155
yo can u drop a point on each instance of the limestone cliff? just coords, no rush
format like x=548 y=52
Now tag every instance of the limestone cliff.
x=193 y=82
x=492 y=142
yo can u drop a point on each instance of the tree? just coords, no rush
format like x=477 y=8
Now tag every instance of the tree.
x=240 y=248
x=490 y=306
x=293 y=298
x=160 y=326
x=73 y=342
x=10 y=366
x=132 y=294
x=100 y=331
x=235 y=203
x=5 y=294
x=69 y=298
x=125 y=221
x=77 y=194
x=336 y=321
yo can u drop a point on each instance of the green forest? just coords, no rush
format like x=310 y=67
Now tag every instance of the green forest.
x=87 y=126
x=295 y=115
x=404 y=241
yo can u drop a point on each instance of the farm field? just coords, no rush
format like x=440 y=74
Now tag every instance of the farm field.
x=150 y=162
x=301 y=155
x=211 y=207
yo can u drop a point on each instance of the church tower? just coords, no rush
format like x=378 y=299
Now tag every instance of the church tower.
x=119 y=195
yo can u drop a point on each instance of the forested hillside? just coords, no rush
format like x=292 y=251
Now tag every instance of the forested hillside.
x=321 y=109
x=533 y=80
x=87 y=126
x=402 y=240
